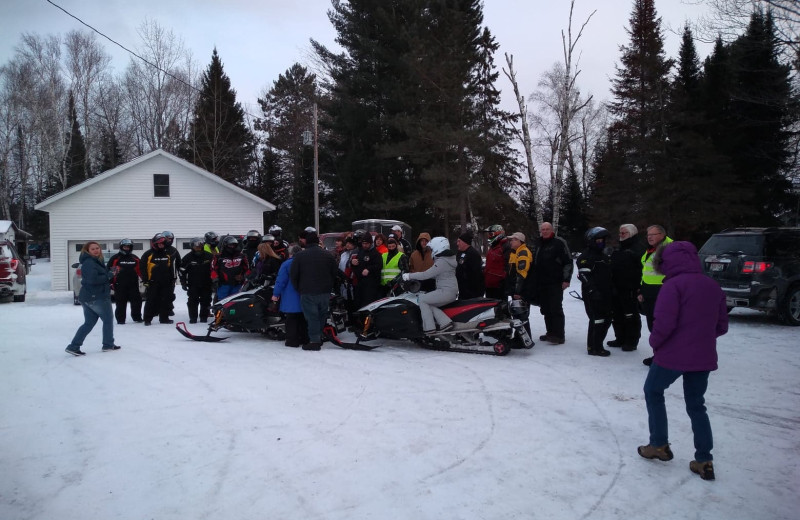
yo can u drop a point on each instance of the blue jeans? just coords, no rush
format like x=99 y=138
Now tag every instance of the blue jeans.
x=223 y=291
x=315 y=309
x=694 y=389
x=98 y=309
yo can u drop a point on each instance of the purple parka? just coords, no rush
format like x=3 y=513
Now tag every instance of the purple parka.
x=690 y=313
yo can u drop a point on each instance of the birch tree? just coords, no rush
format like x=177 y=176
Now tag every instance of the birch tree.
x=525 y=137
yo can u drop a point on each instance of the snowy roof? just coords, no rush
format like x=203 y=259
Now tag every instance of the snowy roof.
x=105 y=175
x=6 y=225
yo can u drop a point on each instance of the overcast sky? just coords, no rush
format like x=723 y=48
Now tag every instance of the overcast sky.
x=259 y=39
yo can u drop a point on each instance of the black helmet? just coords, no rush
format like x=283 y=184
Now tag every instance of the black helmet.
x=495 y=233
x=212 y=239
x=275 y=230
x=168 y=236
x=595 y=233
x=157 y=239
x=253 y=236
x=269 y=239
x=230 y=242
x=196 y=242
x=358 y=234
x=126 y=246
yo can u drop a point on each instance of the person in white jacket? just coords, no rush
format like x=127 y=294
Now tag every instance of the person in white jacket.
x=443 y=272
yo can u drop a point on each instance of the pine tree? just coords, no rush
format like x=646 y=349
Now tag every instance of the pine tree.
x=700 y=191
x=763 y=110
x=287 y=167
x=640 y=91
x=75 y=158
x=110 y=152
x=219 y=140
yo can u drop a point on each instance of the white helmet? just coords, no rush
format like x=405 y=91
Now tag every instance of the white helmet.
x=439 y=245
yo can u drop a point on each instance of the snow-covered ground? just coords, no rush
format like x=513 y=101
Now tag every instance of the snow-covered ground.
x=167 y=428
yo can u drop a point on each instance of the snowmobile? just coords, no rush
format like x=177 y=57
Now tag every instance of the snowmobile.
x=249 y=310
x=480 y=325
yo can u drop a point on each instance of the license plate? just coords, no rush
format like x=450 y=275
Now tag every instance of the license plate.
x=716 y=267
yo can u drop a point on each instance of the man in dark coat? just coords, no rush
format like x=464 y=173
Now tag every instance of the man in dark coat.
x=626 y=274
x=313 y=274
x=195 y=275
x=553 y=264
x=367 y=264
x=594 y=272
x=469 y=271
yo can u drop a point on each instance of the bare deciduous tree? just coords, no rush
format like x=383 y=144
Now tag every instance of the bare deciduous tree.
x=562 y=98
x=86 y=64
x=159 y=91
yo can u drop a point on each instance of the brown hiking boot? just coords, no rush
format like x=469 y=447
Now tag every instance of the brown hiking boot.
x=656 y=452
x=704 y=469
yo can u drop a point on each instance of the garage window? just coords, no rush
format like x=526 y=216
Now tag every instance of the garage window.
x=160 y=185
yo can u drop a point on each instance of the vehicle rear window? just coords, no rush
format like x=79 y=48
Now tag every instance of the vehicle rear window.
x=751 y=245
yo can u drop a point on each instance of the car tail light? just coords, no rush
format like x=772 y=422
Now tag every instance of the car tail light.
x=751 y=267
x=14 y=263
x=78 y=271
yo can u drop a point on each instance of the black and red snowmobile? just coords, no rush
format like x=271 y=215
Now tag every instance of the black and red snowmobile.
x=246 y=311
x=481 y=325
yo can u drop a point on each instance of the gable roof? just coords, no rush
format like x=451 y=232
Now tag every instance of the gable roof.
x=6 y=225
x=159 y=152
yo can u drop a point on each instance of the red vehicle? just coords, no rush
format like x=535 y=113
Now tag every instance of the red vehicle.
x=12 y=274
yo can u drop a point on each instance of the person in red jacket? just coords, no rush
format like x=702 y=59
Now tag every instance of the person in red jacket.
x=494 y=274
x=126 y=282
x=229 y=268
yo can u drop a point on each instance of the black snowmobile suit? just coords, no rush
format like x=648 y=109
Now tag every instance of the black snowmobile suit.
x=594 y=272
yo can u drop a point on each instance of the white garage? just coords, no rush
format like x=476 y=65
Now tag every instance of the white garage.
x=156 y=192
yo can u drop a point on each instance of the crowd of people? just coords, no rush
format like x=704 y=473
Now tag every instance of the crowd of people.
x=684 y=310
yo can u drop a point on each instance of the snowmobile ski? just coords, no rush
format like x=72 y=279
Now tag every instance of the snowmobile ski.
x=181 y=326
x=497 y=349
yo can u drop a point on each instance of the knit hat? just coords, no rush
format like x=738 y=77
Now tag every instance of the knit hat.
x=466 y=237
x=312 y=238
x=391 y=238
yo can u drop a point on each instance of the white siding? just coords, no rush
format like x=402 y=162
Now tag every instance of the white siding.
x=123 y=206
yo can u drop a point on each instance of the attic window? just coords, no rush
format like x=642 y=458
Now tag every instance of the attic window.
x=160 y=185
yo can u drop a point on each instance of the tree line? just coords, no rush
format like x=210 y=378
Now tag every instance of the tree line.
x=411 y=127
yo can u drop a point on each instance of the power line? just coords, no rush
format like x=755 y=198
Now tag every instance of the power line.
x=199 y=92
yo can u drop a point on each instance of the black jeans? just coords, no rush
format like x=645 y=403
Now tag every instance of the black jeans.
x=551 y=297
x=627 y=321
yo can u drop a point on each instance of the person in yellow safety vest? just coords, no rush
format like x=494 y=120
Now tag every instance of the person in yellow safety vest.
x=651 y=279
x=395 y=263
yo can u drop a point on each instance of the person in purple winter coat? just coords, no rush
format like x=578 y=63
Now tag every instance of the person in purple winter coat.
x=690 y=314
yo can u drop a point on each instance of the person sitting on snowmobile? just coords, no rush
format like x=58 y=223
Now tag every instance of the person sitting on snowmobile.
x=443 y=272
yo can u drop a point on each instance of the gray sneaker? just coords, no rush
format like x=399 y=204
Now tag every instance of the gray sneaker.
x=75 y=351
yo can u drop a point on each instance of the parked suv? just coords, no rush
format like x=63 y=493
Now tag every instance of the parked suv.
x=757 y=268
x=12 y=273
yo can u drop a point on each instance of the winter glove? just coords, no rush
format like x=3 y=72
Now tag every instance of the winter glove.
x=185 y=287
x=406 y=277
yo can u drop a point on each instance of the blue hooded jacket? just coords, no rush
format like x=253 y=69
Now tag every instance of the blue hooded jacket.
x=690 y=313
x=290 y=298
x=95 y=280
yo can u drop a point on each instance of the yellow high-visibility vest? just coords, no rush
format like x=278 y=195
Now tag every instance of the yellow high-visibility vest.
x=649 y=275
